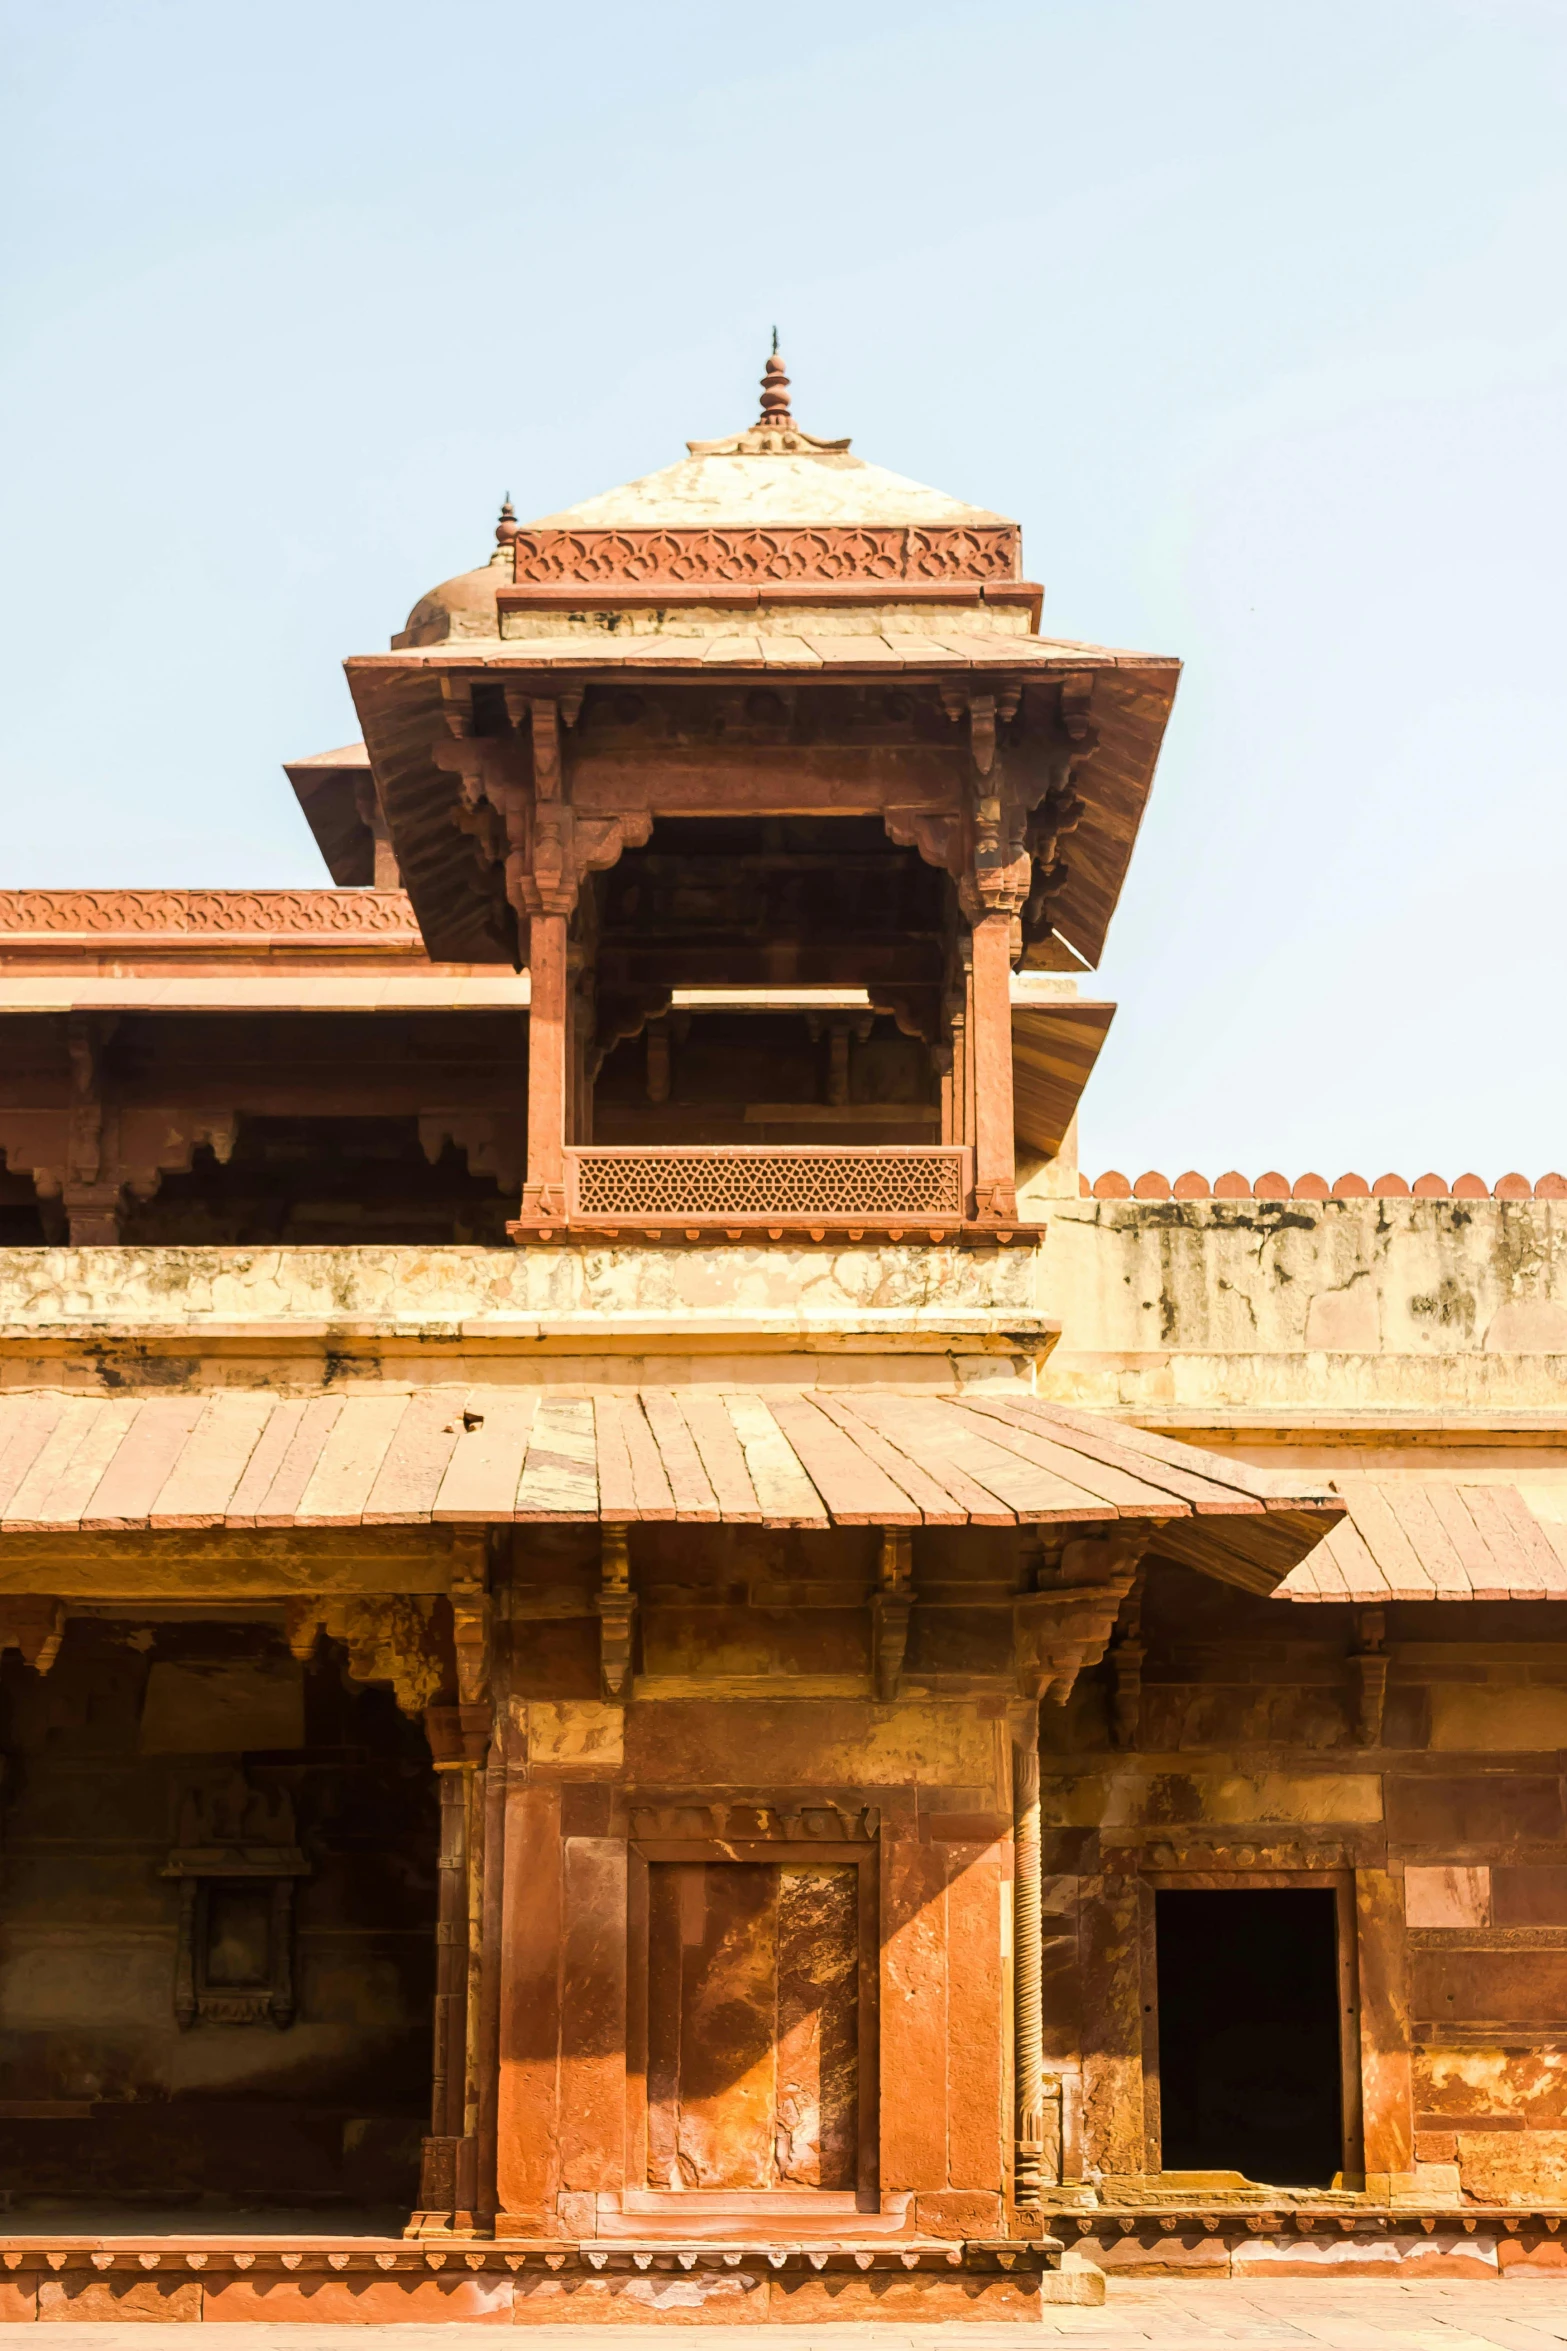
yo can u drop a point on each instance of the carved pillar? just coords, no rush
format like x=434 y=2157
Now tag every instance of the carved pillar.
x=658 y=1070
x=890 y=1611
x=995 y=1170
x=840 y=1033
x=1037 y=2152
x=582 y=992
x=493 y=1782
x=438 y=2183
x=91 y=1191
x=459 y=1736
x=617 y=1607
x=963 y=1044
x=544 y=1195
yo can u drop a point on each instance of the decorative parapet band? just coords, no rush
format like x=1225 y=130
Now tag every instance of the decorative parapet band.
x=688 y=558
x=1153 y=1186
x=144 y=915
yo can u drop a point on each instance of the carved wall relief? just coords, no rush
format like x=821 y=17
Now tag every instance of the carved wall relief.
x=388 y=1640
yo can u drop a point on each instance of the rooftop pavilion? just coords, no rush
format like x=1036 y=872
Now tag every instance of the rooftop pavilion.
x=770 y=719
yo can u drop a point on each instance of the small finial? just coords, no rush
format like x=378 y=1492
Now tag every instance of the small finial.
x=775 y=390
x=506 y=528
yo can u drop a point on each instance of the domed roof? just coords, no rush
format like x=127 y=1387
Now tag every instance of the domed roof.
x=775 y=476
x=465 y=605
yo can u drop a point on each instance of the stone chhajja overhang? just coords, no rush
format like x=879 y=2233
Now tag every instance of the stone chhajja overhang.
x=1095 y=709
x=806 y=1458
x=1409 y=1539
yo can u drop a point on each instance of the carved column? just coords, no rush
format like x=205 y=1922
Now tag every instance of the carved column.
x=459 y=1739
x=438 y=2184
x=1037 y=2152
x=617 y=1607
x=658 y=1070
x=90 y=1193
x=995 y=1166
x=544 y=1194
x=582 y=984
x=963 y=1042
x=890 y=1611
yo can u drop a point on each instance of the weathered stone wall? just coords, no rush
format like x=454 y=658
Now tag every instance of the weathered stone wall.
x=1443 y=1825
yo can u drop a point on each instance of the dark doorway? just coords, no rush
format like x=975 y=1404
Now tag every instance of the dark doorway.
x=1249 y=2034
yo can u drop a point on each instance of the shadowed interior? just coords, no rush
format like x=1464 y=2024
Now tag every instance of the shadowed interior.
x=1248 y=2034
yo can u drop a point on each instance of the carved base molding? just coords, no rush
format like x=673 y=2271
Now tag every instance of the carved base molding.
x=588 y=1232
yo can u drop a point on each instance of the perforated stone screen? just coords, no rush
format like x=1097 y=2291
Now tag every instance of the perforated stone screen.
x=757 y=1183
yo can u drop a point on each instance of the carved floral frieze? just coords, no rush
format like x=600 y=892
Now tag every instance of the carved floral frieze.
x=688 y=558
x=145 y=914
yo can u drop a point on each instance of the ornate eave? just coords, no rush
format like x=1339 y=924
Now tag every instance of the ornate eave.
x=1118 y=704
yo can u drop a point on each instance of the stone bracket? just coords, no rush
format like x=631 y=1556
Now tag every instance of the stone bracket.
x=1060 y=1630
x=34 y=1626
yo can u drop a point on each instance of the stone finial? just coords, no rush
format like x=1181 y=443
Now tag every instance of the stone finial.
x=775 y=433
x=506 y=528
x=775 y=391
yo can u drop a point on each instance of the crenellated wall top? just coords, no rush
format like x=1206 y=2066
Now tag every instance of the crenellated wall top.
x=1151 y=1185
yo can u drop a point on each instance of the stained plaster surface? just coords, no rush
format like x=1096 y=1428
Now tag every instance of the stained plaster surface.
x=1332 y=1308
x=935 y=1314
x=1363 y=2314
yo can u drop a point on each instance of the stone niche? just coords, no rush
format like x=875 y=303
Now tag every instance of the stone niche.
x=236 y=1864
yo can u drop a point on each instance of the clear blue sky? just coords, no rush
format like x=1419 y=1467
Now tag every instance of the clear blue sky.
x=1255 y=316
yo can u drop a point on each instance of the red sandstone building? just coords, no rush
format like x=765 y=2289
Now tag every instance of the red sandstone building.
x=654 y=1666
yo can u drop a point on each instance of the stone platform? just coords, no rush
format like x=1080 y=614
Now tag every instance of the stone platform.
x=1331 y=2241
x=277 y=2278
